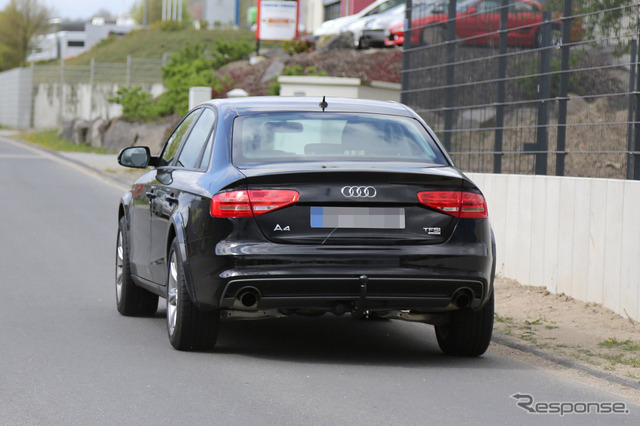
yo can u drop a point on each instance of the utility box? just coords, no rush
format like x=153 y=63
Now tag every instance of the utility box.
x=338 y=86
x=198 y=95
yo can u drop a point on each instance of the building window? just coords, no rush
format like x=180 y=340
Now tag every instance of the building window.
x=72 y=43
x=332 y=11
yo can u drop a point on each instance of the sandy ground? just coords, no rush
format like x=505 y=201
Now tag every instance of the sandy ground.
x=585 y=333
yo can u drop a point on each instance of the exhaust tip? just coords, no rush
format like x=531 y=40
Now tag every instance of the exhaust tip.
x=462 y=298
x=247 y=298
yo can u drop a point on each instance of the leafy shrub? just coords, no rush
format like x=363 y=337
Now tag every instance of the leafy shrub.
x=293 y=47
x=136 y=103
x=225 y=52
x=169 y=25
x=191 y=66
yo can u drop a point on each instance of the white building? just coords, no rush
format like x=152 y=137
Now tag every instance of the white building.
x=70 y=39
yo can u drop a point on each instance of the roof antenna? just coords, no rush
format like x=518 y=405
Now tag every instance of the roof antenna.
x=323 y=104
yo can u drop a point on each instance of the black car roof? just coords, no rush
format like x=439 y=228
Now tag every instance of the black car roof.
x=259 y=104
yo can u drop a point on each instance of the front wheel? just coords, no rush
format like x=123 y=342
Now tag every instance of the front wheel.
x=131 y=300
x=468 y=332
x=189 y=328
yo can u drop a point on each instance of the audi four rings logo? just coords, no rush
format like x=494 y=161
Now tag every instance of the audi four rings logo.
x=359 y=191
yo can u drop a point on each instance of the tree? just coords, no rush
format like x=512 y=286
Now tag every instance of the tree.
x=20 y=22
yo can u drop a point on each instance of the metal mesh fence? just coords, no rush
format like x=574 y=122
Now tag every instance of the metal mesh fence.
x=512 y=88
x=135 y=71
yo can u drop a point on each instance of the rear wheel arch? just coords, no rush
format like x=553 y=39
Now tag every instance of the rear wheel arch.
x=176 y=232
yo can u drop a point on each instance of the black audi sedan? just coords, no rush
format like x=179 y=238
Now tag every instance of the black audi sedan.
x=269 y=207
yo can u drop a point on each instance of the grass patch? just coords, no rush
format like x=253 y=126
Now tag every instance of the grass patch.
x=625 y=345
x=505 y=319
x=49 y=139
x=622 y=359
x=154 y=43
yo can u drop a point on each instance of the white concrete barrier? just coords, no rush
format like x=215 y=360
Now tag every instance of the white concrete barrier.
x=15 y=99
x=576 y=236
x=54 y=103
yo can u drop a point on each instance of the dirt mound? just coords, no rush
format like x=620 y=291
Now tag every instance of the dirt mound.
x=380 y=65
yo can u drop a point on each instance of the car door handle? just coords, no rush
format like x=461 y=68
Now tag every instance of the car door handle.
x=151 y=195
x=171 y=199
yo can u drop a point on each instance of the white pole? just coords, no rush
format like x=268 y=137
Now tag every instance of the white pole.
x=179 y=10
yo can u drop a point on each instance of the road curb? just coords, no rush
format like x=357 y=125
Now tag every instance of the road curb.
x=528 y=348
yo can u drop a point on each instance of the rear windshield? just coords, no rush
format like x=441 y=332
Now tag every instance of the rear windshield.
x=325 y=137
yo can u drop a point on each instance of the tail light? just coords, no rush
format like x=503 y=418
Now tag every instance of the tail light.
x=251 y=203
x=465 y=205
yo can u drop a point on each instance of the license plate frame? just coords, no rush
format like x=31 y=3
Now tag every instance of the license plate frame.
x=357 y=217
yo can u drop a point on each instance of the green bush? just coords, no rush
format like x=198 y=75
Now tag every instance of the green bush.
x=136 y=104
x=293 y=47
x=169 y=25
x=191 y=66
x=529 y=66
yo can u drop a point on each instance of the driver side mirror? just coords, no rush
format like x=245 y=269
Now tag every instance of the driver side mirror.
x=137 y=157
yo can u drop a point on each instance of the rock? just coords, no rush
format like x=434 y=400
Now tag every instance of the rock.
x=237 y=93
x=80 y=130
x=121 y=134
x=66 y=132
x=339 y=41
x=275 y=69
x=95 y=134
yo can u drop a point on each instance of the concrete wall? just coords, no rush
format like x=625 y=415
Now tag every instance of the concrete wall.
x=54 y=103
x=338 y=86
x=15 y=98
x=575 y=236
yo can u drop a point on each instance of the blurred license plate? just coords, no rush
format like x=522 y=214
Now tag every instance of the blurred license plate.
x=357 y=217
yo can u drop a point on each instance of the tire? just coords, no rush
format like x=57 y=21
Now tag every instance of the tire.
x=468 y=332
x=131 y=300
x=537 y=40
x=188 y=327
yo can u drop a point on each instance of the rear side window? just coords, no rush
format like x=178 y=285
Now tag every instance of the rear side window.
x=190 y=156
x=176 y=138
x=325 y=137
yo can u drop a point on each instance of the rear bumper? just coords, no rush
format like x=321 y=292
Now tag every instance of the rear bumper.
x=424 y=278
x=374 y=37
x=363 y=292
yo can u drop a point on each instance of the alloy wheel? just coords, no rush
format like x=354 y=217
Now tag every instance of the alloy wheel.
x=119 y=267
x=172 y=293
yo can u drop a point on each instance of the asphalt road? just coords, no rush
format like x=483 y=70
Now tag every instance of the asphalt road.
x=67 y=357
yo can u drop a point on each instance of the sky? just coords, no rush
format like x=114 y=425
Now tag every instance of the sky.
x=83 y=9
